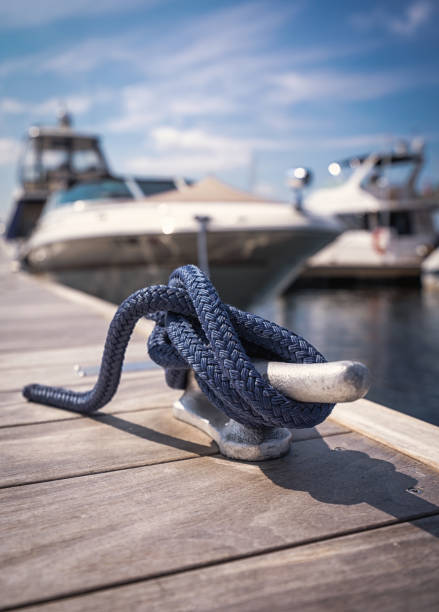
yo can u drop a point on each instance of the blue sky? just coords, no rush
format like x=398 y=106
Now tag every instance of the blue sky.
x=243 y=90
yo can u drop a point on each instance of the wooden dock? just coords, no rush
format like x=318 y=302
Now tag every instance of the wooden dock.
x=131 y=509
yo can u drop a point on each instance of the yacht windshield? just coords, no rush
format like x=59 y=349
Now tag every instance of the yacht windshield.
x=96 y=190
x=390 y=176
x=152 y=186
x=86 y=160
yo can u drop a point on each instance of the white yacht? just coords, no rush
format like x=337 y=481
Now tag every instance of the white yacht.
x=430 y=272
x=111 y=246
x=389 y=227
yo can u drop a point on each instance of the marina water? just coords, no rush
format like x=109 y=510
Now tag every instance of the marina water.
x=393 y=330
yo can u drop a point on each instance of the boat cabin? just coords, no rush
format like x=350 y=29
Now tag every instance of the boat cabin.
x=53 y=158
x=377 y=190
x=390 y=176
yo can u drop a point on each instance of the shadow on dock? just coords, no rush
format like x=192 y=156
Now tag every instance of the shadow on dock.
x=155 y=436
x=349 y=477
x=330 y=475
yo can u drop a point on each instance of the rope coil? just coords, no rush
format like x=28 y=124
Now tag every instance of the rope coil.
x=195 y=330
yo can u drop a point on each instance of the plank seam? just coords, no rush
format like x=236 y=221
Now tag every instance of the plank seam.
x=217 y=562
x=215 y=454
x=120 y=469
x=83 y=416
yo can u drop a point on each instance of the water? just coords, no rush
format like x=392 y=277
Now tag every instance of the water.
x=394 y=331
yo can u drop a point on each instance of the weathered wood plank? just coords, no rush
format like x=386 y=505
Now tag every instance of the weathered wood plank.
x=39 y=306
x=21 y=293
x=92 y=304
x=35 y=368
x=327 y=428
x=83 y=533
x=47 y=334
x=406 y=434
x=19 y=288
x=388 y=569
x=92 y=445
x=140 y=391
x=136 y=392
x=87 y=355
x=40 y=315
x=37 y=362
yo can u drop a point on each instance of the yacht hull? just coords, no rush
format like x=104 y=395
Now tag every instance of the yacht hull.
x=363 y=272
x=369 y=255
x=245 y=265
x=430 y=272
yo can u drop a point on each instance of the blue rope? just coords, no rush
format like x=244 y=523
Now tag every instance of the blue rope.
x=195 y=330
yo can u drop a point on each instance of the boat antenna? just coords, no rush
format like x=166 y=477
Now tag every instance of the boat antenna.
x=65 y=119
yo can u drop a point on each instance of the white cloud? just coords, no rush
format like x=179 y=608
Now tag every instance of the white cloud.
x=221 y=68
x=179 y=165
x=292 y=87
x=145 y=106
x=218 y=66
x=416 y=15
x=192 y=44
x=197 y=151
x=76 y=104
x=17 y=65
x=189 y=151
x=408 y=23
x=82 y=57
x=9 y=149
x=170 y=138
x=89 y=54
x=222 y=78
x=226 y=33
x=379 y=141
x=11 y=106
x=32 y=13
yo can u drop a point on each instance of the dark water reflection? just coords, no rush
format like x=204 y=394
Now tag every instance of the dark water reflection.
x=394 y=331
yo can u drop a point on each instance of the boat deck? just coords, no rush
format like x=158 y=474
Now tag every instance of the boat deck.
x=131 y=509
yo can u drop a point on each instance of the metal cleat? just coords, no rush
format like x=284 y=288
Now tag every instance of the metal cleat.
x=332 y=382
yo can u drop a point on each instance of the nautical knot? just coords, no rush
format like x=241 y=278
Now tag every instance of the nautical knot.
x=195 y=330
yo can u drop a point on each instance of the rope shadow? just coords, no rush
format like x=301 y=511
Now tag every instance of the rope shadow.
x=152 y=435
x=336 y=476
x=349 y=477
